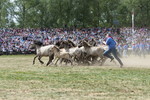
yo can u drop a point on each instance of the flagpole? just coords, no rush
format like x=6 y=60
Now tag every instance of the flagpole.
x=132 y=21
x=133 y=25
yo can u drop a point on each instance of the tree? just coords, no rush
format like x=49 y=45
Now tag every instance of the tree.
x=70 y=13
x=4 y=13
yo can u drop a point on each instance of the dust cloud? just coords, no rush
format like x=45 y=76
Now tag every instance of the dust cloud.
x=137 y=61
x=132 y=61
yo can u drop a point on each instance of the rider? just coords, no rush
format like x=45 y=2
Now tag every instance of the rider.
x=111 y=49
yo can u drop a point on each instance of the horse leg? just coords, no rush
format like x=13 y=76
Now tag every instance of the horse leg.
x=39 y=58
x=34 y=59
x=57 y=61
x=94 y=60
x=61 y=60
x=50 y=59
x=71 y=61
x=87 y=61
x=48 y=62
x=66 y=61
x=103 y=61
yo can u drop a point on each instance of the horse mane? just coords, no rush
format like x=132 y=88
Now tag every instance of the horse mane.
x=69 y=41
x=86 y=44
x=58 y=43
x=92 y=42
x=39 y=43
x=57 y=48
x=80 y=43
x=65 y=44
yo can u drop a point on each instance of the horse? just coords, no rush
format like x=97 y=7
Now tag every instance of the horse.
x=42 y=51
x=93 y=52
x=71 y=43
x=61 y=54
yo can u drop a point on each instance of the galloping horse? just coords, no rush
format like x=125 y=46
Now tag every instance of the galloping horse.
x=93 y=52
x=42 y=51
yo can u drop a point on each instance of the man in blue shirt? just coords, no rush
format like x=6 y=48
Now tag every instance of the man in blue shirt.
x=111 y=49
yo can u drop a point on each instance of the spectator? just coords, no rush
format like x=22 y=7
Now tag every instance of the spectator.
x=12 y=39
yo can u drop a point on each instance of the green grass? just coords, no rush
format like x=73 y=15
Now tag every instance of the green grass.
x=20 y=80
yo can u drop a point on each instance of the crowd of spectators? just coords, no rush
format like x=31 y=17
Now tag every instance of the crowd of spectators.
x=16 y=41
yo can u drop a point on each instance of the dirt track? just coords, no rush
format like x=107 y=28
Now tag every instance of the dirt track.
x=133 y=61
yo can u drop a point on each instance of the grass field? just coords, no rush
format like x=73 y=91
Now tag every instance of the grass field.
x=20 y=80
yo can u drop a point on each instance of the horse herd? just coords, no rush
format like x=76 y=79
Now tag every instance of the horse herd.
x=66 y=51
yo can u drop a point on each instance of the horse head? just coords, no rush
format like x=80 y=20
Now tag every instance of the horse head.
x=92 y=42
x=80 y=44
x=86 y=44
x=58 y=43
x=32 y=46
x=73 y=45
x=65 y=44
x=38 y=43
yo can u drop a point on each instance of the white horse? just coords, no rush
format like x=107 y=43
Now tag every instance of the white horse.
x=42 y=51
x=93 y=52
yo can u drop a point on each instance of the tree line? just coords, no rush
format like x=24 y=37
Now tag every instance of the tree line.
x=73 y=13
